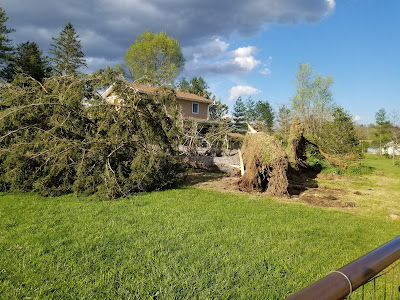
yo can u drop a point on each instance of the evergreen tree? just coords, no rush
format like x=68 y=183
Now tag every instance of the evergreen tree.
x=5 y=42
x=264 y=116
x=67 y=52
x=251 y=113
x=340 y=135
x=52 y=143
x=239 y=115
x=382 y=129
x=218 y=110
x=259 y=114
x=28 y=60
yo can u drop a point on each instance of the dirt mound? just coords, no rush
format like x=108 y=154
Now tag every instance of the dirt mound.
x=265 y=163
x=325 y=197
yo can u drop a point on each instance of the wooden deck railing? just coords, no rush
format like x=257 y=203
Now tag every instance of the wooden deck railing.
x=342 y=283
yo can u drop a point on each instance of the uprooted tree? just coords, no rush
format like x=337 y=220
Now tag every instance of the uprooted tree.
x=266 y=165
x=297 y=147
x=61 y=136
x=269 y=168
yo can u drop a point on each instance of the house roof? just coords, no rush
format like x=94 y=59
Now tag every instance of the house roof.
x=151 y=89
x=179 y=95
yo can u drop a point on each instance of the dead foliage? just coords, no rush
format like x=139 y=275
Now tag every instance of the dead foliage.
x=265 y=163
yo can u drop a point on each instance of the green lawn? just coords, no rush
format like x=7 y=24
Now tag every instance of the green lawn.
x=379 y=192
x=179 y=244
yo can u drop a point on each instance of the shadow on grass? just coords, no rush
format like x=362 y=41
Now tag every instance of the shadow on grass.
x=301 y=181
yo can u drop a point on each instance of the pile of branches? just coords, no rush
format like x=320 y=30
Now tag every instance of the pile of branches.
x=211 y=136
x=61 y=136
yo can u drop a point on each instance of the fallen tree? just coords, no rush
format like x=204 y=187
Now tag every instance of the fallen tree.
x=267 y=165
x=61 y=136
x=297 y=147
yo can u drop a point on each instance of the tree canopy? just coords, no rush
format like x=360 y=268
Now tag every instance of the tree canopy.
x=313 y=100
x=67 y=52
x=154 y=58
x=283 y=119
x=264 y=116
x=197 y=86
x=339 y=135
x=218 y=111
x=259 y=113
x=29 y=61
x=5 y=43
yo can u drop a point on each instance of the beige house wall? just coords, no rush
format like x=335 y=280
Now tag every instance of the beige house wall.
x=186 y=106
x=186 y=109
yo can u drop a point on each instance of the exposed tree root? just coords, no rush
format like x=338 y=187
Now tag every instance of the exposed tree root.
x=265 y=163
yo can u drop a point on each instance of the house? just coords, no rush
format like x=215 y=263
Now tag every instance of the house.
x=391 y=148
x=373 y=150
x=193 y=107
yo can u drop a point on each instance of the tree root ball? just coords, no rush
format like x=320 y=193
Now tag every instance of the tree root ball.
x=265 y=163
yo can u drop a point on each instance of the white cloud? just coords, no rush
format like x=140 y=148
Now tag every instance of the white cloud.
x=242 y=90
x=331 y=4
x=247 y=63
x=245 y=59
x=266 y=67
x=213 y=49
x=95 y=63
x=214 y=59
x=265 y=71
x=245 y=51
x=356 y=118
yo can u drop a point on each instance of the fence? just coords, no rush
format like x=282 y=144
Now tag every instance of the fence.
x=364 y=272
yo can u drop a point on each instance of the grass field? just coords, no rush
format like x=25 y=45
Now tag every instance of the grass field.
x=188 y=243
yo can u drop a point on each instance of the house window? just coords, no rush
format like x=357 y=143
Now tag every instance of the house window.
x=195 y=108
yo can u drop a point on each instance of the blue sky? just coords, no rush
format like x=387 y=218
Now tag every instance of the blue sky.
x=358 y=45
x=240 y=47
